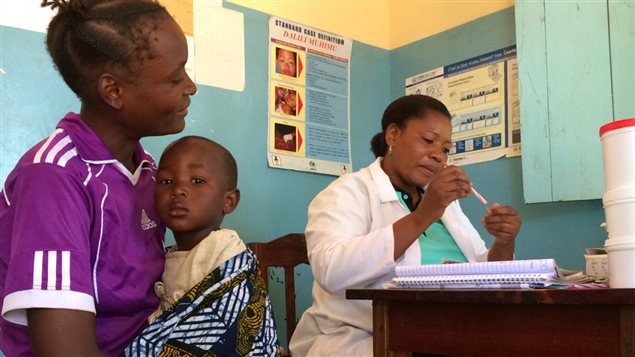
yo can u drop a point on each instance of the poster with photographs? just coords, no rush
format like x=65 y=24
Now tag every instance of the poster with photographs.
x=481 y=93
x=309 y=111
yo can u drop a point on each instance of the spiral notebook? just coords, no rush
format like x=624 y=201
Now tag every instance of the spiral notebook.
x=530 y=273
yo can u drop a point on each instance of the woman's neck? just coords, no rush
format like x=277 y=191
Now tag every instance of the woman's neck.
x=398 y=181
x=122 y=148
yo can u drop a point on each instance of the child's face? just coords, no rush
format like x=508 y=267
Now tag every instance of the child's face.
x=286 y=62
x=156 y=97
x=290 y=99
x=191 y=194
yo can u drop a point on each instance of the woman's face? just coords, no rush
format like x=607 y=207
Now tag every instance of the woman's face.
x=156 y=101
x=419 y=149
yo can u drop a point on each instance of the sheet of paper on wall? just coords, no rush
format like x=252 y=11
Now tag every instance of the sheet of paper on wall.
x=25 y=14
x=219 y=46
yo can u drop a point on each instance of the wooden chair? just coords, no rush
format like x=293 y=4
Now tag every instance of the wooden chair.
x=287 y=251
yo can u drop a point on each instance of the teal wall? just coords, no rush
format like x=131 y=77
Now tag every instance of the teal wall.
x=561 y=230
x=33 y=98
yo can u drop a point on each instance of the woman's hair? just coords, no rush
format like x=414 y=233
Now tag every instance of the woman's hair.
x=88 y=35
x=400 y=112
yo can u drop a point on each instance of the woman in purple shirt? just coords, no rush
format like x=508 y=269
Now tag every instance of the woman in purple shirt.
x=80 y=242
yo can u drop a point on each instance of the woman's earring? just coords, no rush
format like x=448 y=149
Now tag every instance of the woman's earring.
x=390 y=150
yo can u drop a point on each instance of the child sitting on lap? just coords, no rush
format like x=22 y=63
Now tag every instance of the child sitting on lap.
x=213 y=299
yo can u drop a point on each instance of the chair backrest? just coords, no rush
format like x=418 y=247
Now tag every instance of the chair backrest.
x=287 y=251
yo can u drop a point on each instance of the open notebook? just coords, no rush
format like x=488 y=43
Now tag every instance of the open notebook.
x=513 y=274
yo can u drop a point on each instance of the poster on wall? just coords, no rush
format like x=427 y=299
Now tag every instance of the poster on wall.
x=309 y=110
x=481 y=93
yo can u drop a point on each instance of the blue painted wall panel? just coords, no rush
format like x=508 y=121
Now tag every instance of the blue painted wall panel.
x=622 y=33
x=531 y=44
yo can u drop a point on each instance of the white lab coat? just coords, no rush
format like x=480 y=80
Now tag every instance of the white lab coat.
x=350 y=245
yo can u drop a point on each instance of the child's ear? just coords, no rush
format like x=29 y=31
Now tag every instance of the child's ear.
x=231 y=200
x=109 y=90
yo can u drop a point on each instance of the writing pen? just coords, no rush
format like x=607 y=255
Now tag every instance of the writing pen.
x=478 y=195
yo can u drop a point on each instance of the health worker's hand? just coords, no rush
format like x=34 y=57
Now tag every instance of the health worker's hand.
x=502 y=222
x=449 y=184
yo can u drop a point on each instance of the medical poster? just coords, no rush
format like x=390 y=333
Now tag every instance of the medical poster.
x=309 y=110
x=481 y=93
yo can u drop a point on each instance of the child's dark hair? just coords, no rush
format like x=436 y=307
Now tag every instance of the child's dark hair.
x=231 y=168
x=87 y=35
x=400 y=112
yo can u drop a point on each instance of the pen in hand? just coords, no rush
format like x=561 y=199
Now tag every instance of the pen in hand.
x=478 y=195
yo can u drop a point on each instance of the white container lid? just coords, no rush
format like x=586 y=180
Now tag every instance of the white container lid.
x=627 y=240
x=626 y=194
x=617 y=124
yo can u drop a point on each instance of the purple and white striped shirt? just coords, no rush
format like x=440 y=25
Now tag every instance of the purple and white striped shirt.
x=78 y=231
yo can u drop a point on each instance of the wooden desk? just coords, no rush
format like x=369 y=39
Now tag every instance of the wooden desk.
x=542 y=322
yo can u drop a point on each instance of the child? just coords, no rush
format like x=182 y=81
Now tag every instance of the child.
x=286 y=62
x=213 y=299
x=80 y=242
x=287 y=103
